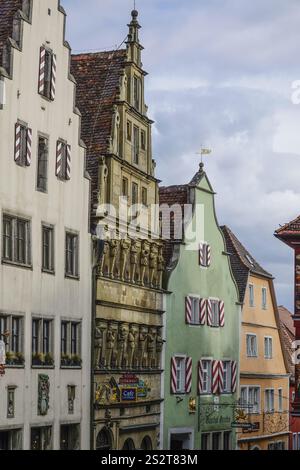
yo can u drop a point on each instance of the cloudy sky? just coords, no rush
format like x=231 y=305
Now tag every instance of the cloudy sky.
x=221 y=75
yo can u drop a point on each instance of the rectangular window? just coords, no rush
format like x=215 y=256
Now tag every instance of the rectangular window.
x=16 y=335
x=143 y=140
x=195 y=311
x=251 y=345
x=264 y=298
x=11 y=332
x=216 y=441
x=70 y=343
x=135 y=194
x=64 y=338
x=48 y=248
x=215 y=313
x=16 y=240
x=244 y=397
x=254 y=399
x=144 y=197
x=42 y=344
x=72 y=255
x=137 y=93
x=280 y=400
x=205 y=441
x=206 y=364
x=268 y=344
x=70 y=437
x=22 y=136
x=35 y=336
x=41 y=438
x=74 y=338
x=227 y=376
x=125 y=187
x=136 y=145
x=129 y=131
x=42 y=165
x=269 y=401
x=180 y=375
x=251 y=295
x=11 y=402
x=204 y=255
x=227 y=440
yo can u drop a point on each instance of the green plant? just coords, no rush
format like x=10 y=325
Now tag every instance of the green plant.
x=65 y=360
x=20 y=358
x=49 y=359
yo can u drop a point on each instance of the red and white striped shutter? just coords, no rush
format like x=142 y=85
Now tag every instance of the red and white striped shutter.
x=29 y=147
x=188 y=310
x=233 y=376
x=209 y=312
x=200 y=377
x=221 y=377
x=221 y=313
x=208 y=250
x=42 y=70
x=215 y=377
x=173 y=375
x=53 y=77
x=68 y=172
x=58 y=168
x=202 y=311
x=201 y=257
x=17 y=143
x=188 y=374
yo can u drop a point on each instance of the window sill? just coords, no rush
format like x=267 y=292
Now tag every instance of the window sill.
x=47 y=271
x=74 y=278
x=42 y=367
x=71 y=367
x=14 y=366
x=43 y=191
x=46 y=98
x=17 y=265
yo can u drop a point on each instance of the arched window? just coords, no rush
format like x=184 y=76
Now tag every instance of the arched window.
x=104 y=440
x=146 y=443
x=128 y=445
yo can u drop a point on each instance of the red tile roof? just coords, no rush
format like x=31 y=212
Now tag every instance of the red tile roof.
x=98 y=79
x=8 y=9
x=291 y=228
x=288 y=336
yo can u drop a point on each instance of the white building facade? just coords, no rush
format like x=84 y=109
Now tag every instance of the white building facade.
x=45 y=270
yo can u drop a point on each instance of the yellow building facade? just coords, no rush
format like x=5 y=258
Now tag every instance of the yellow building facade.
x=264 y=377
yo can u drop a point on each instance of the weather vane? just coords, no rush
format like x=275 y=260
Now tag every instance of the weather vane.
x=204 y=151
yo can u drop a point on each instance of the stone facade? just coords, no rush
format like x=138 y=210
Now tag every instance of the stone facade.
x=41 y=301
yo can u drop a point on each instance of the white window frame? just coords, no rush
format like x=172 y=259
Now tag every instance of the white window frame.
x=227 y=376
x=215 y=314
x=256 y=406
x=280 y=400
x=268 y=351
x=251 y=295
x=268 y=394
x=182 y=373
x=195 y=310
x=207 y=373
x=264 y=302
x=251 y=335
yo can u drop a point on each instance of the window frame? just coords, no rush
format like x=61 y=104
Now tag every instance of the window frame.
x=251 y=295
x=74 y=253
x=15 y=237
x=215 y=312
x=207 y=375
x=251 y=335
x=135 y=145
x=39 y=337
x=44 y=161
x=264 y=302
x=180 y=374
x=269 y=392
x=268 y=347
x=51 y=230
x=7 y=319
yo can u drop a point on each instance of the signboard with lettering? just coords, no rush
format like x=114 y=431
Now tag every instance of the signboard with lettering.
x=128 y=394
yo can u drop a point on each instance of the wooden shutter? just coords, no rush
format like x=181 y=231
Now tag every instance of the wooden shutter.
x=200 y=377
x=68 y=163
x=209 y=313
x=53 y=77
x=188 y=310
x=173 y=375
x=17 y=143
x=221 y=377
x=202 y=311
x=215 y=377
x=42 y=70
x=188 y=374
x=29 y=147
x=58 y=170
x=201 y=254
x=208 y=255
x=233 y=376
x=221 y=314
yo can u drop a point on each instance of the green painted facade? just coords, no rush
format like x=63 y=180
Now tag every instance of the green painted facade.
x=216 y=281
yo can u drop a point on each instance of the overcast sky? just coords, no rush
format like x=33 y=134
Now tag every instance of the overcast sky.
x=221 y=74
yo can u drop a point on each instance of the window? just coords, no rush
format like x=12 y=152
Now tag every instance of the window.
x=71 y=398
x=42 y=165
x=206 y=364
x=143 y=140
x=204 y=255
x=125 y=187
x=269 y=401
x=180 y=375
x=227 y=440
x=216 y=441
x=135 y=194
x=41 y=438
x=227 y=376
x=136 y=145
x=264 y=298
x=268 y=342
x=144 y=197
x=23 y=138
x=195 y=310
x=215 y=313
x=251 y=295
x=251 y=345
x=280 y=400
x=47 y=74
x=129 y=130
x=136 y=93
x=42 y=341
x=48 y=248
x=72 y=254
x=13 y=326
x=244 y=397
x=70 y=343
x=250 y=399
x=70 y=437
x=11 y=402
x=63 y=160
x=205 y=438
x=16 y=240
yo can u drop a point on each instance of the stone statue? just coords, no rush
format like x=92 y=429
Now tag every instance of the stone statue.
x=114 y=250
x=141 y=347
x=131 y=346
x=122 y=343
x=153 y=263
x=102 y=176
x=134 y=252
x=151 y=348
x=104 y=258
x=160 y=266
x=159 y=348
x=144 y=261
x=98 y=346
x=110 y=344
x=116 y=131
x=125 y=247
